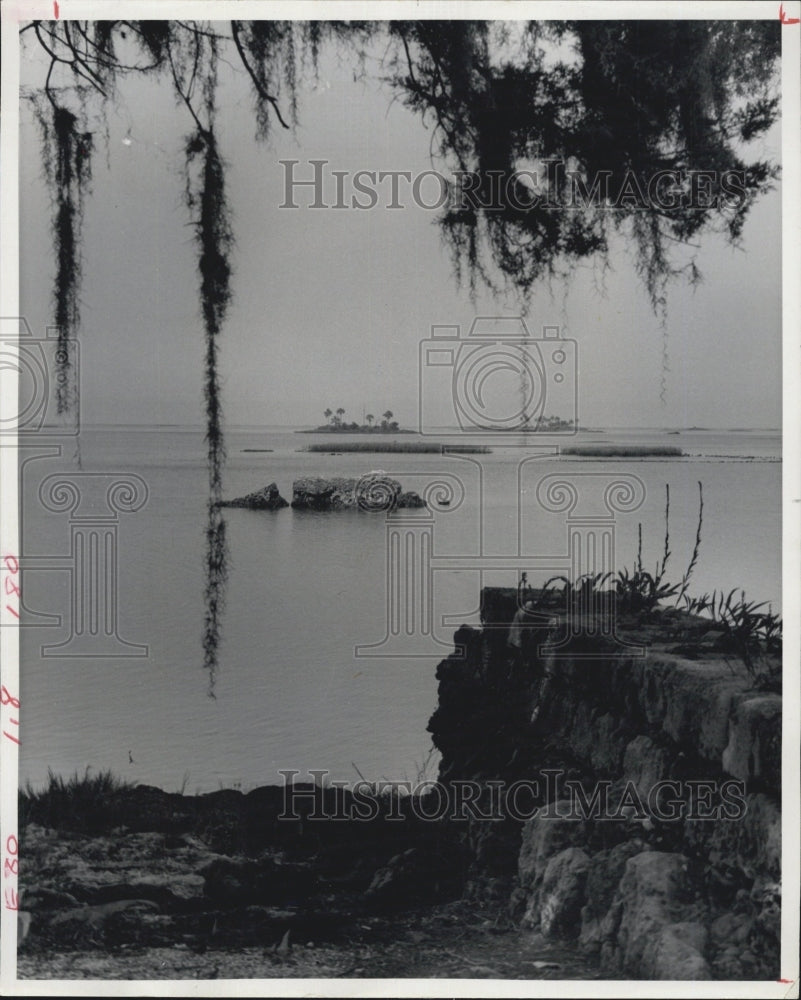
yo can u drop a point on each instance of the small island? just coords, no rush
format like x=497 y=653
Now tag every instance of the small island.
x=337 y=425
x=547 y=425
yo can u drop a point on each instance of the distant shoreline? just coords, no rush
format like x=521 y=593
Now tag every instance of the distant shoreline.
x=294 y=428
x=356 y=430
x=397 y=447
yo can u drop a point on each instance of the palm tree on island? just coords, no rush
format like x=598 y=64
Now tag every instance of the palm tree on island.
x=336 y=424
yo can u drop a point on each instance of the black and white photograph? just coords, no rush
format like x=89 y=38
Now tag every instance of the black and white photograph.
x=400 y=498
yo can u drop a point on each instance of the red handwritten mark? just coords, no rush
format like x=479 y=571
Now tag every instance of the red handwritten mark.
x=6 y=698
x=10 y=869
x=785 y=20
x=784 y=981
x=11 y=588
x=55 y=9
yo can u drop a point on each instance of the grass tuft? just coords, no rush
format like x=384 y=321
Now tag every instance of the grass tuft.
x=402 y=447
x=83 y=803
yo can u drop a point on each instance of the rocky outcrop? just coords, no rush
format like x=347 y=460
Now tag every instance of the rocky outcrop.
x=265 y=499
x=410 y=499
x=650 y=824
x=373 y=493
x=629 y=809
x=653 y=928
x=563 y=892
x=157 y=869
x=317 y=493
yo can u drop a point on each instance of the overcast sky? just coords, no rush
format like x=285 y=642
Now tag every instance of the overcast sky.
x=330 y=306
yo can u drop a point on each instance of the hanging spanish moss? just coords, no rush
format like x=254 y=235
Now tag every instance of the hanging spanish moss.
x=214 y=594
x=68 y=147
x=561 y=127
x=205 y=199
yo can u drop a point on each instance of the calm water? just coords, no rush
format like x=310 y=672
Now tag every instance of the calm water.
x=305 y=588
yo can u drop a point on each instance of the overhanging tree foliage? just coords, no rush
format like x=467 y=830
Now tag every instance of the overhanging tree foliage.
x=530 y=113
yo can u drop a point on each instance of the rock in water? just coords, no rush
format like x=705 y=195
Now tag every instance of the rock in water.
x=374 y=492
x=316 y=493
x=265 y=499
x=410 y=499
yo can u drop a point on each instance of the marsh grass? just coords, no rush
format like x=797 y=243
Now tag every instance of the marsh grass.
x=402 y=447
x=622 y=451
x=83 y=803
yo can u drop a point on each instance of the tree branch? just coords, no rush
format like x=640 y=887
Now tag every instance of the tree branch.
x=182 y=95
x=256 y=83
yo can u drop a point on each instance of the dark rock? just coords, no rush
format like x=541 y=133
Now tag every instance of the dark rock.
x=162 y=896
x=374 y=492
x=223 y=798
x=316 y=493
x=265 y=499
x=645 y=763
x=652 y=929
x=545 y=836
x=94 y=924
x=230 y=882
x=416 y=875
x=754 y=750
x=563 y=893
x=48 y=899
x=731 y=930
x=764 y=937
x=604 y=875
x=397 y=880
x=410 y=499
x=752 y=843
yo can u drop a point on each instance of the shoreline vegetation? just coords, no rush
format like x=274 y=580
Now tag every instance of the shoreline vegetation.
x=355 y=428
x=621 y=451
x=337 y=425
x=404 y=447
x=433 y=447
